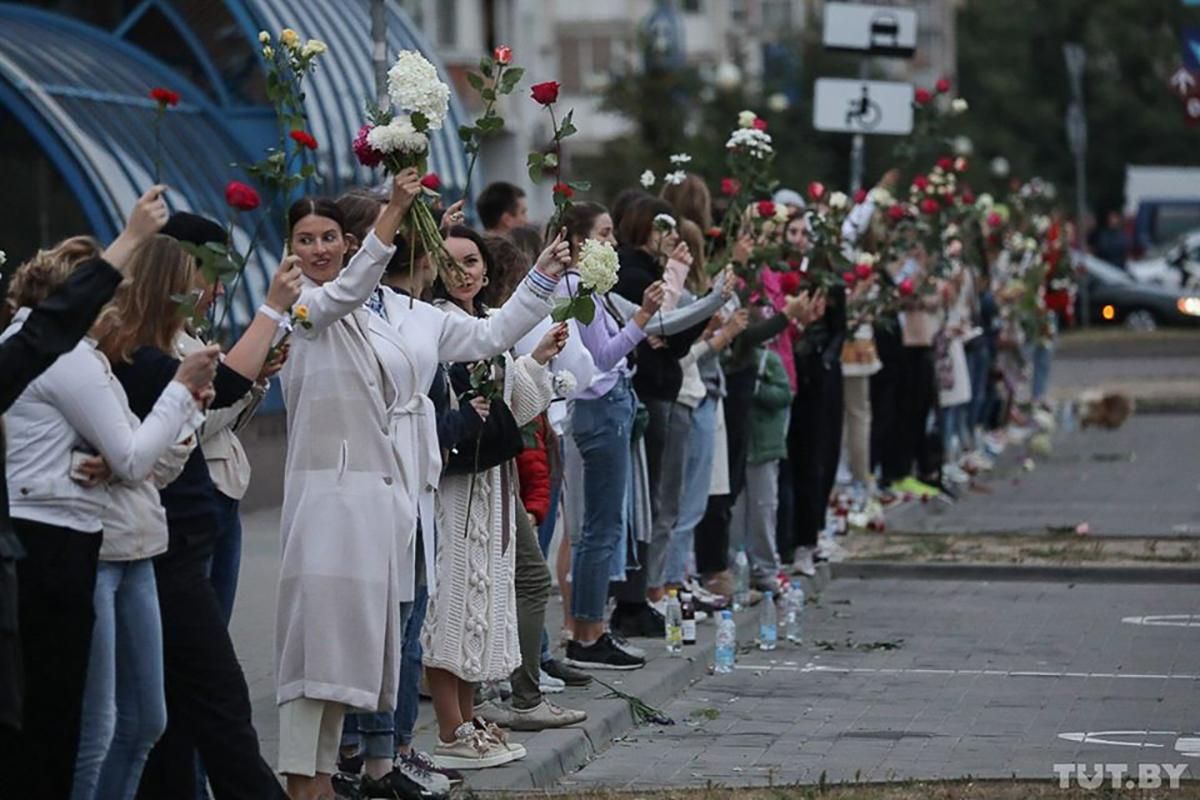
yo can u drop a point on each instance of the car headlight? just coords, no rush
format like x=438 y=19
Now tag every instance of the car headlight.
x=1189 y=306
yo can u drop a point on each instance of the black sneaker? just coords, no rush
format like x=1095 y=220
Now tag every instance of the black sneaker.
x=346 y=786
x=638 y=622
x=397 y=786
x=568 y=675
x=603 y=654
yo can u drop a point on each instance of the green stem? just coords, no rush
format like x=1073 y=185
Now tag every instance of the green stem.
x=487 y=110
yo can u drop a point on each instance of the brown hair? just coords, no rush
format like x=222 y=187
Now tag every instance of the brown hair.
x=359 y=210
x=690 y=199
x=697 y=280
x=637 y=223
x=528 y=240
x=507 y=268
x=579 y=220
x=37 y=278
x=144 y=313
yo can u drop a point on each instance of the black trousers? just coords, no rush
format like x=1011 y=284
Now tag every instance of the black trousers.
x=56 y=583
x=814 y=447
x=919 y=398
x=208 y=703
x=712 y=534
x=886 y=411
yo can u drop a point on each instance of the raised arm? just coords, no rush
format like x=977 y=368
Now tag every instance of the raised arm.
x=669 y=323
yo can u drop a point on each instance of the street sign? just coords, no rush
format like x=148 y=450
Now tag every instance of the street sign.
x=880 y=30
x=850 y=106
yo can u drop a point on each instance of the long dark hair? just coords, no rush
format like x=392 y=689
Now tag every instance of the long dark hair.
x=314 y=207
x=489 y=267
x=578 y=220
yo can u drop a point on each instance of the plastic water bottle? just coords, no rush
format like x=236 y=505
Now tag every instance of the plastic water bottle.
x=688 y=607
x=726 y=643
x=793 y=605
x=674 y=617
x=741 y=581
x=768 y=627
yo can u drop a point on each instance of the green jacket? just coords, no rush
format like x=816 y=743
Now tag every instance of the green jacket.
x=771 y=410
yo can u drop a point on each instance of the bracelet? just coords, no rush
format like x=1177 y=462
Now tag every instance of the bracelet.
x=272 y=314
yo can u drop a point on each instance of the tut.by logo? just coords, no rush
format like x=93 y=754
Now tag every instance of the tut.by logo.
x=1120 y=776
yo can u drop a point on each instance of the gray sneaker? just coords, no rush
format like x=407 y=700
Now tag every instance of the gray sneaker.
x=543 y=716
x=471 y=749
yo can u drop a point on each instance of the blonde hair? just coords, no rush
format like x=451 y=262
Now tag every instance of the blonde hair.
x=697 y=281
x=690 y=199
x=37 y=278
x=144 y=313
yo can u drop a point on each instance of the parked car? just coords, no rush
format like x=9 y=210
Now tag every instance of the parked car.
x=1176 y=268
x=1116 y=298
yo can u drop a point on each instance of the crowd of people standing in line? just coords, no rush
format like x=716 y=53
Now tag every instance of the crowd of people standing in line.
x=441 y=429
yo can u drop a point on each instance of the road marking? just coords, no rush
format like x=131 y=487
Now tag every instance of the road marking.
x=1166 y=620
x=1186 y=744
x=811 y=668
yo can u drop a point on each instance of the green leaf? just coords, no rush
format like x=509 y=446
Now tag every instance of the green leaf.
x=534 y=163
x=308 y=170
x=485 y=66
x=489 y=125
x=466 y=132
x=420 y=121
x=568 y=127
x=587 y=310
x=489 y=95
x=475 y=80
x=512 y=77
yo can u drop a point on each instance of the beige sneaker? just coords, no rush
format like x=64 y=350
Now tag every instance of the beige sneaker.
x=471 y=749
x=496 y=734
x=543 y=716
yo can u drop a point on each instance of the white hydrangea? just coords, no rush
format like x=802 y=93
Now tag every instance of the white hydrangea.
x=647 y=179
x=680 y=158
x=598 y=265
x=413 y=85
x=675 y=178
x=398 y=136
x=563 y=383
x=838 y=201
x=755 y=142
x=958 y=105
x=746 y=119
x=881 y=197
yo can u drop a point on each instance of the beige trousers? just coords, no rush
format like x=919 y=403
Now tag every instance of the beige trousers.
x=857 y=431
x=310 y=732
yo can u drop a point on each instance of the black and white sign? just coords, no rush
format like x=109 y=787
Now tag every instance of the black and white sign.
x=880 y=30
x=851 y=106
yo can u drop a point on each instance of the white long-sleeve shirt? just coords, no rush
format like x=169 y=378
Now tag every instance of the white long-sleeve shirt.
x=78 y=404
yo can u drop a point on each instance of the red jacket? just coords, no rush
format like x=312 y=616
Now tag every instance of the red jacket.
x=533 y=470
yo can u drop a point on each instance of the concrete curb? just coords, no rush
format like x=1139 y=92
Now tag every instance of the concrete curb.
x=1049 y=573
x=1152 y=406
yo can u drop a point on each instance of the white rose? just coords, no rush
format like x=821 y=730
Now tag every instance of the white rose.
x=675 y=178
x=838 y=200
x=264 y=37
x=881 y=197
x=680 y=158
x=746 y=119
x=985 y=202
x=313 y=47
x=647 y=179
x=782 y=213
x=778 y=102
x=958 y=105
x=598 y=265
x=563 y=383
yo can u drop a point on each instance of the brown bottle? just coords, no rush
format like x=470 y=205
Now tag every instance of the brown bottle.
x=688 y=608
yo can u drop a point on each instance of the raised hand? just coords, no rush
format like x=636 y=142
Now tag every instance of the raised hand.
x=197 y=369
x=453 y=215
x=285 y=285
x=551 y=343
x=682 y=253
x=147 y=218
x=556 y=257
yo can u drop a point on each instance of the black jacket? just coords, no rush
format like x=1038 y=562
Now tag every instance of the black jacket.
x=659 y=375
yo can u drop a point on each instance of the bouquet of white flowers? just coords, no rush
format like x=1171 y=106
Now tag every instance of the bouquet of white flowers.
x=597 y=266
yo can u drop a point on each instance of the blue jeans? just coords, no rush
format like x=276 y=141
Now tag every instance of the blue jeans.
x=1043 y=353
x=408 y=703
x=124 y=708
x=602 y=429
x=979 y=363
x=374 y=733
x=696 y=481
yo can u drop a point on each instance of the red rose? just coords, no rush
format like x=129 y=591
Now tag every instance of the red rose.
x=730 y=186
x=304 y=139
x=860 y=197
x=942 y=86
x=789 y=283
x=164 y=97
x=432 y=182
x=906 y=287
x=945 y=163
x=994 y=220
x=562 y=189
x=367 y=156
x=545 y=93
x=816 y=190
x=760 y=124
x=713 y=232
x=766 y=208
x=929 y=205
x=864 y=271
x=503 y=54
x=849 y=278
x=920 y=182
x=922 y=97
x=895 y=213
x=968 y=197
x=240 y=196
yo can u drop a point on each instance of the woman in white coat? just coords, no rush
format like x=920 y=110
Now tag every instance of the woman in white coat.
x=338 y=628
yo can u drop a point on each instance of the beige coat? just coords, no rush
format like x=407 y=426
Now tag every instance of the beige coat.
x=338 y=631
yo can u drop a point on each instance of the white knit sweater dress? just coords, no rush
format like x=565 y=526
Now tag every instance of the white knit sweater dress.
x=471 y=623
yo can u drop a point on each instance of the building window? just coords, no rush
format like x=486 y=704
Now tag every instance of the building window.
x=447 y=23
x=586 y=59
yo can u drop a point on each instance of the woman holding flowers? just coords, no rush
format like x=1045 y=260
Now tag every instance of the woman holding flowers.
x=338 y=626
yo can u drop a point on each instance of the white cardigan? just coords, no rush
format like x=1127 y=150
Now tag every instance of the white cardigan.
x=78 y=405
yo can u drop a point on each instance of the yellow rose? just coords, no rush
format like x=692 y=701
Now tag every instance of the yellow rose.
x=300 y=312
x=289 y=39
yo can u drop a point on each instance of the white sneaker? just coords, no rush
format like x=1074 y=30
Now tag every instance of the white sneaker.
x=471 y=749
x=659 y=605
x=701 y=616
x=955 y=474
x=803 y=565
x=496 y=734
x=550 y=684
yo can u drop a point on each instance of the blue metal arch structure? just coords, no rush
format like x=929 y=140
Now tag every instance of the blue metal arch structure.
x=82 y=94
